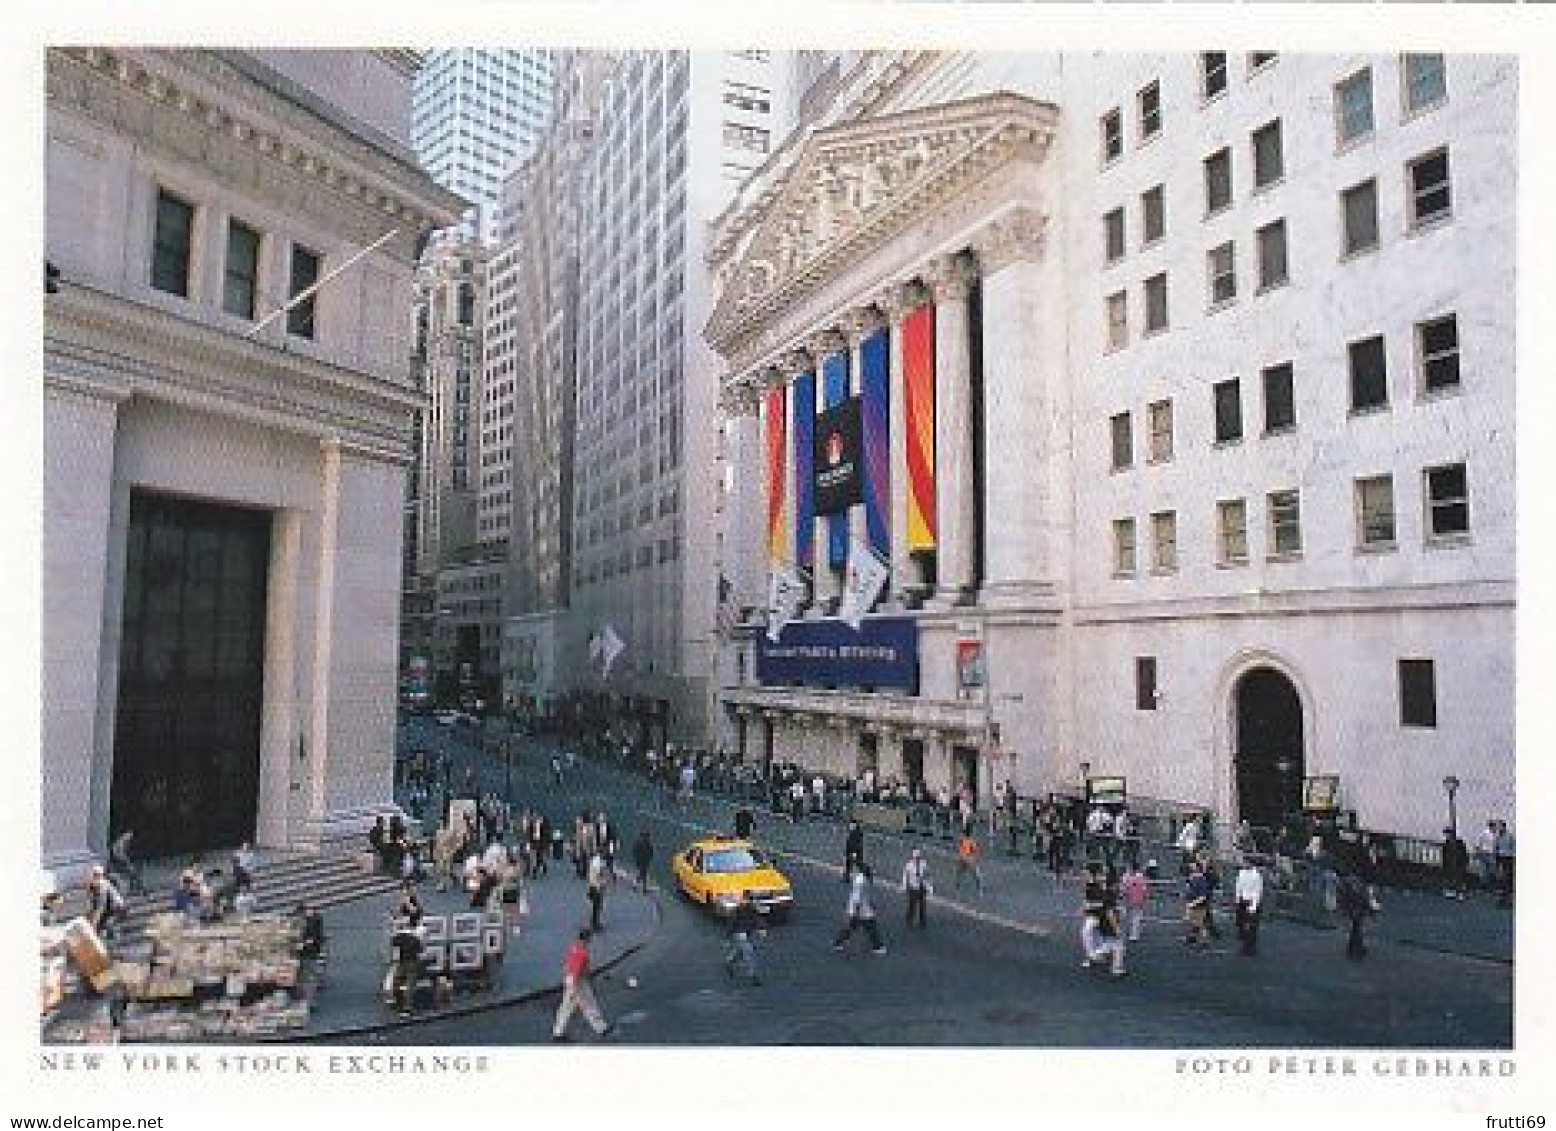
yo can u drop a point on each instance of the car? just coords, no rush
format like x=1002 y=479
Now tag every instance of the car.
x=713 y=872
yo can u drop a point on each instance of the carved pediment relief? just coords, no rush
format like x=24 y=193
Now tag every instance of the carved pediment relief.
x=856 y=185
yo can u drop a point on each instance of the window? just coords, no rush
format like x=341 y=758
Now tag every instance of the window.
x=1149 y=101
x=1123 y=547
x=171 y=244
x=1123 y=442
x=1425 y=79
x=1218 y=181
x=240 y=276
x=1417 y=693
x=1232 y=531
x=1285 y=524
x=1229 y=411
x=1258 y=60
x=1212 y=74
x=1280 y=409
x=305 y=273
x=1369 y=375
x=1375 y=512
x=1113 y=235
x=1112 y=136
x=1447 y=501
x=1153 y=216
x=1145 y=683
x=1437 y=345
x=739 y=136
x=1272 y=255
x=1269 y=161
x=1159 y=418
x=1118 y=320
x=1164 y=541
x=1156 y=303
x=1359 y=211
x=1221 y=269
x=1353 y=107
x=1431 y=198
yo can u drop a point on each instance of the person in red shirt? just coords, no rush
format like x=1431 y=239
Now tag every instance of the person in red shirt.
x=578 y=992
x=967 y=860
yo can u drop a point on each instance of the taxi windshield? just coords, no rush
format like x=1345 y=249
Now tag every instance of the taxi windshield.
x=733 y=860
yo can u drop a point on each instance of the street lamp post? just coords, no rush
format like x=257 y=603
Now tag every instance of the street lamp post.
x=1451 y=785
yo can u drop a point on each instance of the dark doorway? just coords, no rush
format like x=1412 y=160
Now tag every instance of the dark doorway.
x=870 y=753
x=964 y=770
x=191 y=675
x=1269 y=748
x=767 y=747
x=913 y=763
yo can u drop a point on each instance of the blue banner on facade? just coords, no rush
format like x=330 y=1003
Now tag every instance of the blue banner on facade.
x=834 y=391
x=827 y=653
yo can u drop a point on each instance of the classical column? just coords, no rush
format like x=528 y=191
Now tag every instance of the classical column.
x=907 y=576
x=1023 y=387
x=828 y=587
x=744 y=545
x=950 y=279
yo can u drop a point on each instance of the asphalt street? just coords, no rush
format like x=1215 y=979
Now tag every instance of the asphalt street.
x=977 y=976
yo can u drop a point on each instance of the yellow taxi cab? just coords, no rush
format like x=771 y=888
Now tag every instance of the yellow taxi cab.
x=714 y=871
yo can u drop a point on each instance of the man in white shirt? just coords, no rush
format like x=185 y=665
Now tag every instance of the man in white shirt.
x=915 y=883
x=1249 y=892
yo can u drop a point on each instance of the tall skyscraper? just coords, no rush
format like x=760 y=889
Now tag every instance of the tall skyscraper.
x=476 y=115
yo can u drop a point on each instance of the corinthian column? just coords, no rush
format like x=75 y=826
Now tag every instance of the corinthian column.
x=745 y=546
x=950 y=279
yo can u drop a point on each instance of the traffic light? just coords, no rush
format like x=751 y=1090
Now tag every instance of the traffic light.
x=50 y=278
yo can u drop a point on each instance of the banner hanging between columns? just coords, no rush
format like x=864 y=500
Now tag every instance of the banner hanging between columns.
x=918 y=386
x=804 y=470
x=875 y=424
x=775 y=467
x=834 y=371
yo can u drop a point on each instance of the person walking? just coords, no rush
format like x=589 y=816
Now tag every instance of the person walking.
x=1100 y=938
x=642 y=857
x=1456 y=859
x=1135 y=890
x=967 y=851
x=121 y=860
x=1249 y=891
x=861 y=912
x=744 y=925
x=1196 y=897
x=915 y=883
x=596 y=879
x=105 y=906
x=1504 y=851
x=1213 y=880
x=1351 y=898
x=853 y=851
x=578 y=992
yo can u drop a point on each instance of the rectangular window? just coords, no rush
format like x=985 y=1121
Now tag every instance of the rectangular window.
x=1118 y=320
x=1156 y=303
x=1353 y=107
x=1285 y=523
x=1123 y=442
x=1431 y=197
x=304 y=274
x=1153 y=216
x=1258 y=60
x=1124 y=547
x=1159 y=415
x=1145 y=683
x=172 y=244
x=1212 y=73
x=1218 y=181
x=1269 y=161
x=1369 y=374
x=1164 y=541
x=1447 y=501
x=1229 y=411
x=240 y=276
x=1113 y=235
x=1221 y=269
x=1280 y=407
x=1149 y=101
x=1232 y=531
x=1112 y=136
x=1417 y=693
x=1437 y=345
x=1425 y=80
x=1375 y=512
x=1359 y=211
x=1272 y=255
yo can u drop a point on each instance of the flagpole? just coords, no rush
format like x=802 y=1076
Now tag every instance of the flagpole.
x=309 y=292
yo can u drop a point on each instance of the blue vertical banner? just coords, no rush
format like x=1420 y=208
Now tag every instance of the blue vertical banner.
x=875 y=430
x=834 y=391
x=804 y=471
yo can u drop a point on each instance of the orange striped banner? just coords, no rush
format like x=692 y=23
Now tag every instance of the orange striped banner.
x=776 y=447
x=918 y=386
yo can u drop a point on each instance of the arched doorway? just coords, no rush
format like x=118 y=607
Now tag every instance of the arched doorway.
x=1268 y=756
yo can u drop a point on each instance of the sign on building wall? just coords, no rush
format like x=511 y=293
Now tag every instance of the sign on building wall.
x=827 y=653
x=971 y=672
x=837 y=458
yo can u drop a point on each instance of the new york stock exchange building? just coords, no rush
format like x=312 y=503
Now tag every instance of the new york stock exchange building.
x=1163 y=423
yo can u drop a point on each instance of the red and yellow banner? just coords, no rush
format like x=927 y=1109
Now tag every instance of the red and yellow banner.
x=776 y=449
x=918 y=388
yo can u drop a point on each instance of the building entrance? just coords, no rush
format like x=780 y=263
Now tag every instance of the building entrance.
x=1269 y=748
x=191 y=675
x=913 y=763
